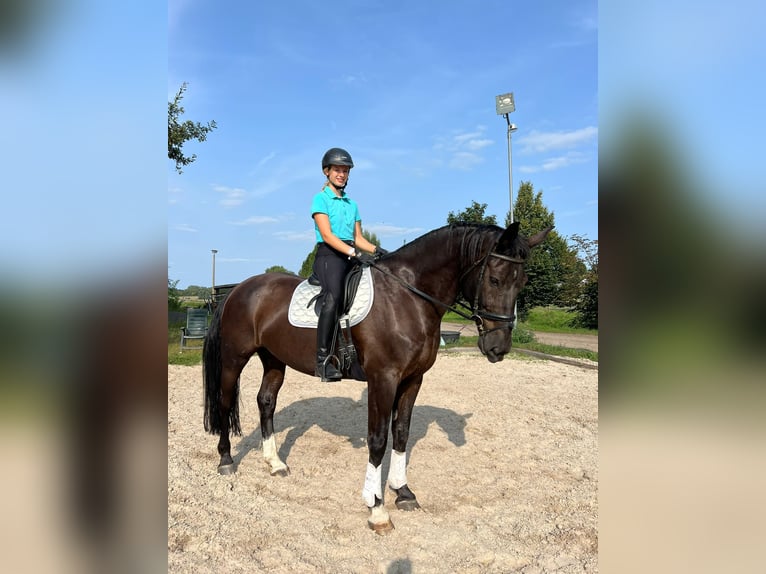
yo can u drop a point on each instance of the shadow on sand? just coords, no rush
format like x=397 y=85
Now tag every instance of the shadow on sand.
x=347 y=418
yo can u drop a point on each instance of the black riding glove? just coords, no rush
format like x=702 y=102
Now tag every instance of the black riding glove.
x=363 y=258
x=379 y=252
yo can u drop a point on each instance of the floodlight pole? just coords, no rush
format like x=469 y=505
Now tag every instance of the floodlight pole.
x=511 y=129
x=212 y=287
x=505 y=105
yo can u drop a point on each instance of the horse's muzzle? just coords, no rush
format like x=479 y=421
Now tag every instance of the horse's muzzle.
x=494 y=353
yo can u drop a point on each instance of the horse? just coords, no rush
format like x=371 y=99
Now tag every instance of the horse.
x=396 y=343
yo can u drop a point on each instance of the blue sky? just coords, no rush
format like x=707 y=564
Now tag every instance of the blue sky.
x=409 y=90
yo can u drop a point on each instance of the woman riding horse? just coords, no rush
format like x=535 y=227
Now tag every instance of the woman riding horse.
x=338 y=229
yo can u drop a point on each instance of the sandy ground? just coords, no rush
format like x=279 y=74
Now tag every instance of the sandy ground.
x=503 y=459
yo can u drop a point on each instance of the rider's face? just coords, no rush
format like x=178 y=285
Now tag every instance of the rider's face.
x=337 y=175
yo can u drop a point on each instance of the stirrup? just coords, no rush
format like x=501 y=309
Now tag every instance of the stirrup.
x=321 y=371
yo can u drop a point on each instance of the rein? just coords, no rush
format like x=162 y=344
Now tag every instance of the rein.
x=420 y=293
x=477 y=314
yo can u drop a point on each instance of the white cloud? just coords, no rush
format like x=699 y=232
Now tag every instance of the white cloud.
x=537 y=142
x=384 y=230
x=232 y=196
x=465 y=160
x=477 y=144
x=255 y=220
x=174 y=194
x=185 y=227
x=264 y=160
x=307 y=235
x=554 y=163
x=462 y=147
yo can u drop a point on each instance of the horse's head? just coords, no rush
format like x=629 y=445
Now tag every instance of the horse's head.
x=493 y=286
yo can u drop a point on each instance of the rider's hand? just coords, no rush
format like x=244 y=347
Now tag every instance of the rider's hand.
x=363 y=258
x=379 y=252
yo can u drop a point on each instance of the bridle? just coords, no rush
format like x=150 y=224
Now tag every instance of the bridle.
x=477 y=313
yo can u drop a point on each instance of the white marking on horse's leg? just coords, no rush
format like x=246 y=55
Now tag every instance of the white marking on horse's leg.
x=397 y=474
x=379 y=520
x=372 y=485
x=271 y=457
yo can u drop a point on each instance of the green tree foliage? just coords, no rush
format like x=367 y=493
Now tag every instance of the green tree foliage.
x=174 y=299
x=196 y=291
x=586 y=305
x=307 y=268
x=554 y=270
x=278 y=269
x=180 y=132
x=371 y=237
x=472 y=214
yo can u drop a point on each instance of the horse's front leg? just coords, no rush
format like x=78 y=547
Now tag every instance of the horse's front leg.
x=380 y=401
x=400 y=431
x=273 y=377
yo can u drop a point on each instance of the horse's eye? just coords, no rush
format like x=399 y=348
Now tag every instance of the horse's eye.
x=494 y=281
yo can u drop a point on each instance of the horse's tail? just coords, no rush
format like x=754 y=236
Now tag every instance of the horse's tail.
x=211 y=365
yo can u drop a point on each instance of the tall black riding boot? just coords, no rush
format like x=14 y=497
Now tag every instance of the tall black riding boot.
x=325 y=331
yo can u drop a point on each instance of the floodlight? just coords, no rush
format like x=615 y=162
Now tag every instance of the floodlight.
x=504 y=104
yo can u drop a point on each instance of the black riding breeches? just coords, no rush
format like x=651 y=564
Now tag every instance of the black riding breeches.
x=331 y=268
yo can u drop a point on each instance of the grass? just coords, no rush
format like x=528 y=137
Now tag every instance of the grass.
x=175 y=357
x=543 y=319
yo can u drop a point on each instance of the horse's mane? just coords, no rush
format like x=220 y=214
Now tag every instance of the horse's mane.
x=475 y=239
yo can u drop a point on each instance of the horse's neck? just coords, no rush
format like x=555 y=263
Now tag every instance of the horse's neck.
x=436 y=267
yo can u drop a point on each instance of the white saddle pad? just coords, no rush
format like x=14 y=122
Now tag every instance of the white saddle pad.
x=301 y=314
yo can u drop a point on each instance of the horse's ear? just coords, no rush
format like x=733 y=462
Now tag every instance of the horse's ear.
x=538 y=238
x=508 y=237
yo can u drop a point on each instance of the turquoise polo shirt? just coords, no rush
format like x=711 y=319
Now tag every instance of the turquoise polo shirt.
x=342 y=212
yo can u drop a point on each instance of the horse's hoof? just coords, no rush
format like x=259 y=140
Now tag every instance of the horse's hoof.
x=283 y=472
x=407 y=504
x=405 y=498
x=379 y=521
x=381 y=528
x=227 y=469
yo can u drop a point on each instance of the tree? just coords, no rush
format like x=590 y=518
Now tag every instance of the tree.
x=181 y=132
x=278 y=269
x=586 y=306
x=174 y=299
x=472 y=214
x=554 y=270
x=308 y=264
x=196 y=291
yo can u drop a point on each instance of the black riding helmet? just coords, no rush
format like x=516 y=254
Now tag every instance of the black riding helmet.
x=336 y=156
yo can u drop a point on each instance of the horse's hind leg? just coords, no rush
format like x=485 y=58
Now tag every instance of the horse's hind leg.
x=400 y=434
x=273 y=377
x=229 y=407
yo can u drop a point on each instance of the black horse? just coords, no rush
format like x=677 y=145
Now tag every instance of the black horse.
x=396 y=343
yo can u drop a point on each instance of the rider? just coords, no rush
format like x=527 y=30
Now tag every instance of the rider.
x=339 y=237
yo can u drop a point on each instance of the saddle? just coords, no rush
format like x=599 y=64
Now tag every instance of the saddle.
x=357 y=302
x=350 y=288
x=358 y=299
